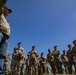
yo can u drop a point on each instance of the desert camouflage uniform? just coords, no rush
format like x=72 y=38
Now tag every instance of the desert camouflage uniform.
x=22 y=63
x=7 y=68
x=20 y=59
x=51 y=61
x=74 y=57
x=43 y=64
x=14 y=62
x=65 y=61
x=70 y=58
x=58 y=63
x=28 y=65
x=33 y=62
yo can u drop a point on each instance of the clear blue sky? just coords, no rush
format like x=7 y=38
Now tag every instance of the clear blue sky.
x=43 y=23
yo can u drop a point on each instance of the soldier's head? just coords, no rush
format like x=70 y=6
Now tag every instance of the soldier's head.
x=49 y=50
x=64 y=51
x=33 y=47
x=6 y=11
x=69 y=46
x=74 y=42
x=15 y=48
x=42 y=54
x=55 y=47
x=19 y=44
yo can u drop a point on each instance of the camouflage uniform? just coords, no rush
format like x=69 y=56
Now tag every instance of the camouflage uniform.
x=65 y=61
x=51 y=60
x=21 y=58
x=70 y=58
x=74 y=54
x=43 y=64
x=33 y=61
x=14 y=62
x=28 y=65
x=22 y=63
x=7 y=68
x=58 y=63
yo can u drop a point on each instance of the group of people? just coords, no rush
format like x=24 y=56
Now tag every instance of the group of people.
x=38 y=65
x=66 y=59
x=35 y=65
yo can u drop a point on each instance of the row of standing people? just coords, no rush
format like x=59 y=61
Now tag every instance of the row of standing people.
x=37 y=65
x=34 y=64
x=67 y=59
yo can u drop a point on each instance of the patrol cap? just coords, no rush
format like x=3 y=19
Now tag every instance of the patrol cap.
x=6 y=7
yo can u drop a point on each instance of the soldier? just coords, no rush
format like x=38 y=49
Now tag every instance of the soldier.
x=7 y=68
x=21 y=60
x=33 y=61
x=4 y=33
x=28 y=65
x=65 y=61
x=74 y=54
x=43 y=64
x=58 y=66
x=14 y=62
x=51 y=60
x=70 y=58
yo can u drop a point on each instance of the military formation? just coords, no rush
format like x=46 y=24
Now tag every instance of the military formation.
x=38 y=65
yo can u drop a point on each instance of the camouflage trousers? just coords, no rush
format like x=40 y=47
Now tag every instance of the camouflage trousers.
x=43 y=68
x=33 y=70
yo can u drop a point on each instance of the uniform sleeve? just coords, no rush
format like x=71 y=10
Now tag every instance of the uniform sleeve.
x=2 y=3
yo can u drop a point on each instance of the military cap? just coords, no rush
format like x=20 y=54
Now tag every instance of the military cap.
x=33 y=46
x=55 y=46
x=74 y=41
x=42 y=53
x=48 y=49
x=69 y=45
x=19 y=43
x=6 y=7
x=63 y=50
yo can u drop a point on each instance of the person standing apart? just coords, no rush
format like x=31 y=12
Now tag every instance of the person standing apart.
x=4 y=33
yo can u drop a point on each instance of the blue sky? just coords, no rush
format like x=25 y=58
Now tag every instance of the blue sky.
x=43 y=23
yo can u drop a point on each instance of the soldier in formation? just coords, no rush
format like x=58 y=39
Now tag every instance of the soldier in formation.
x=33 y=61
x=7 y=63
x=65 y=61
x=57 y=60
x=74 y=54
x=43 y=64
x=50 y=59
x=18 y=60
x=28 y=65
x=70 y=59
